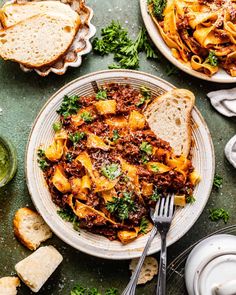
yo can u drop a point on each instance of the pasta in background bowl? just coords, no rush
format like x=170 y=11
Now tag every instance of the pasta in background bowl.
x=91 y=243
x=196 y=36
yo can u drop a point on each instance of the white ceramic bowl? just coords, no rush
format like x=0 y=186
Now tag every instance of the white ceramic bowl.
x=42 y=134
x=220 y=77
x=211 y=266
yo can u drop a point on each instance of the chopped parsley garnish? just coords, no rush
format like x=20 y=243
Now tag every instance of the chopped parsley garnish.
x=76 y=137
x=212 y=59
x=158 y=7
x=218 y=181
x=116 y=135
x=115 y=40
x=57 y=126
x=87 y=117
x=146 y=147
x=42 y=161
x=41 y=153
x=156 y=195
x=190 y=199
x=111 y=171
x=43 y=164
x=171 y=70
x=143 y=225
x=101 y=95
x=144 y=159
x=217 y=214
x=69 y=216
x=79 y=290
x=146 y=95
x=154 y=168
x=122 y=206
x=69 y=157
x=70 y=105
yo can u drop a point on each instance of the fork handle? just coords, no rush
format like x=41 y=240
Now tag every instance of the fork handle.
x=131 y=287
x=161 y=283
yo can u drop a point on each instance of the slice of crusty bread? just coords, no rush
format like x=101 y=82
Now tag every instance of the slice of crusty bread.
x=148 y=270
x=10 y=14
x=37 y=41
x=35 y=269
x=30 y=228
x=8 y=285
x=169 y=117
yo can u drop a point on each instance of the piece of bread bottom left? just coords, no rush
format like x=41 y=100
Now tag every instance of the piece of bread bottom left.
x=35 y=269
x=8 y=285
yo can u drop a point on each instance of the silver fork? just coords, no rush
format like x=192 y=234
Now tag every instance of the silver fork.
x=162 y=220
x=131 y=287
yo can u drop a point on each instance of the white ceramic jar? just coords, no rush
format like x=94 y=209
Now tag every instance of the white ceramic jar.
x=211 y=267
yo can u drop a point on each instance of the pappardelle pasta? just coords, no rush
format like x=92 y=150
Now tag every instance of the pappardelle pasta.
x=201 y=34
x=107 y=168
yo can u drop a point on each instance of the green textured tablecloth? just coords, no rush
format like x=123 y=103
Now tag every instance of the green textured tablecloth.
x=23 y=95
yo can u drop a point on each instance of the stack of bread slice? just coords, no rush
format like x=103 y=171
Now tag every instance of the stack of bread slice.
x=37 y=34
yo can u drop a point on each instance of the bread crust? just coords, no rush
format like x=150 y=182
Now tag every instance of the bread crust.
x=175 y=93
x=18 y=219
x=36 y=66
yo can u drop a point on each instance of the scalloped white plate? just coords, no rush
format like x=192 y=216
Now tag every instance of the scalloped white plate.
x=80 y=46
x=42 y=134
x=220 y=77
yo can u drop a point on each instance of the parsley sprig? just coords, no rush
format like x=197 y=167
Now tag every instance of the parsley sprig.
x=158 y=7
x=212 y=59
x=101 y=94
x=69 y=216
x=42 y=160
x=143 y=225
x=122 y=206
x=145 y=95
x=146 y=147
x=76 y=137
x=218 y=213
x=115 y=40
x=218 y=181
x=111 y=171
x=70 y=105
x=79 y=290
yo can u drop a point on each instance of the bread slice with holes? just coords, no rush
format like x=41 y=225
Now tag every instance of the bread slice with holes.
x=30 y=228
x=169 y=117
x=11 y=14
x=39 y=40
x=148 y=270
x=8 y=285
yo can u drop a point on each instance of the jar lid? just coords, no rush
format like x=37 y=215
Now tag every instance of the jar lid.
x=211 y=267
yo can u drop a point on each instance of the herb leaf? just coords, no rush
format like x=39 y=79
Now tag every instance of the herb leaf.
x=143 y=225
x=155 y=196
x=69 y=157
x=86 y=116
x=154 y=168
x=212 y=59
x=171 y=70
x=79 y=290
x=146 y=95
x=70 y=105
x=190 y=199
x=116 y=135
x=101 y=95
x=158 y=7
x=146 y=147
x=111 y=171
x=42 y=161
x=69 y=216
x=218 y=181
x=217 y=214
x=76 y=137
x=115 y=40
x=122 y=206
x=57 y=126
x=111 y=291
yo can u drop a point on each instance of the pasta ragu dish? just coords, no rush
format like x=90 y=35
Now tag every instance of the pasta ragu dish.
x=105 y=168
x=200 y=33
